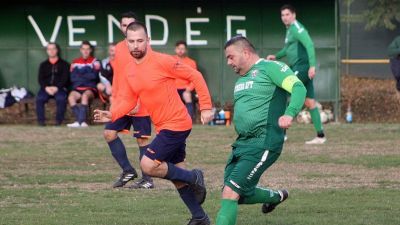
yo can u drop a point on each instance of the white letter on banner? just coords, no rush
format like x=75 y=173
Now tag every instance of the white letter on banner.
x=110 y=21
x=166 y=31
x=73 y=30
x=40 y=34
x=229 y=20
x=190 y=32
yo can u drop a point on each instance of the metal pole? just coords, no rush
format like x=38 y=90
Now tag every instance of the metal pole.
x=338 y=71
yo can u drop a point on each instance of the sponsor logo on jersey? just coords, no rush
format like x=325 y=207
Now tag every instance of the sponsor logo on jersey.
x=244 y=86
x=254 y=73
x=259 y=164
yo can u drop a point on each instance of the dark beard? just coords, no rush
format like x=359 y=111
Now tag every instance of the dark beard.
x=137 y=54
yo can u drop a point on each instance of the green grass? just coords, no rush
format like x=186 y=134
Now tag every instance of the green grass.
x=57 y=176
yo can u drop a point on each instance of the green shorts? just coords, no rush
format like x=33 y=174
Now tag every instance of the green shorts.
x=245 y=167
x=308 y=83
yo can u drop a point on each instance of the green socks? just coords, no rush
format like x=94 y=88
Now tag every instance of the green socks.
x=316 y=119
x=262 y=195
x=228 y=212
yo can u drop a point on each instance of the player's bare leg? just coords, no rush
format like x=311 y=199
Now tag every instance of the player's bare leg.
x=199 y=217
x=118 y=151
x=194 y=178
x=146 y=182
x=316 y=119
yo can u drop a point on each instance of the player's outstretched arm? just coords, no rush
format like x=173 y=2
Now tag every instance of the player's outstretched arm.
x=178 y=70
x=281 y=53
x=101 y=116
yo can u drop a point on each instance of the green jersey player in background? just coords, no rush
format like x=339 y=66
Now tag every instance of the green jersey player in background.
x=260 y=115
x=300 y=53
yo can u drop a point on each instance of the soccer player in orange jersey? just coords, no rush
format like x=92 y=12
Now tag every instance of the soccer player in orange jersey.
x=140 y=121
x=185 y=87
x=151 y=77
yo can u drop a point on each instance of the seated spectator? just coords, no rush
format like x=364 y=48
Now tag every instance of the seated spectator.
x=53 y=79
x=106 y=75
x=185 y=88
x=84 y=79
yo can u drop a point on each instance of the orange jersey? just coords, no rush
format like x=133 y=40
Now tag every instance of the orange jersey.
x=181 y=83
x=153 y=81
x=122 y=58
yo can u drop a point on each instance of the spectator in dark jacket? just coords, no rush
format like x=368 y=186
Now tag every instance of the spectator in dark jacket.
x=53 y=79
x=394 y=54
x=84 y=79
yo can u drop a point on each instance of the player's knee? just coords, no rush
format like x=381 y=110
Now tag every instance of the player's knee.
x=142 y=141
x=148 y=166
x=110 y=135
x=229 y=193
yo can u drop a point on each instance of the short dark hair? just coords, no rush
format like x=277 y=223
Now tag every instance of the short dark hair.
x=181 y=42
x=134 y=26
x=129 y=14
x=240 y=40
x=57 y=47
x=86 y=42
x=289 y=7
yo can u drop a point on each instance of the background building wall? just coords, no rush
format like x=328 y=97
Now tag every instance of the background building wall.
x=21 y=49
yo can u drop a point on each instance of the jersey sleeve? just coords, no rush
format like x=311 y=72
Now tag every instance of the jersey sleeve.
x=304 y=38
x=285 y=78
x=127 y=100
x=176 y=69
x=394 y=48
x=281 y=53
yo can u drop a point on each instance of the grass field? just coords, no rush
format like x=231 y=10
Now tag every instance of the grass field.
x=56 y=175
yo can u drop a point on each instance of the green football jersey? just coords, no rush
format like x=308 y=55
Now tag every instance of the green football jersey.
x=260 y=99
x=299 y=48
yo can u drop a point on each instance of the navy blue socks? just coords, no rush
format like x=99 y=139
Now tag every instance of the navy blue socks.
x=188 y=197
x=178 y=174
x=118 y=151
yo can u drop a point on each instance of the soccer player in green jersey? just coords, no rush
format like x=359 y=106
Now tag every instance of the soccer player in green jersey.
x=300 y=53
x=260 y=115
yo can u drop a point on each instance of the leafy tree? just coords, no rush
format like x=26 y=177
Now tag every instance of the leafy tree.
x=382 y=13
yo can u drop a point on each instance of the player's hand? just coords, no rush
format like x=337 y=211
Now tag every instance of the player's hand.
x=271 y=57
x=311 y=72
x=101 y=116
x=134 y=110
x=285 y=121
x=206 y=116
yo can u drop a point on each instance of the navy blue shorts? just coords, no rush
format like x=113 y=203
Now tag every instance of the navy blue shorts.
x=168 y=146
x=180 y=92
x=141 y=125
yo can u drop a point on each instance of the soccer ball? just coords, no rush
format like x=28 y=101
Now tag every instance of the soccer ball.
x=304 y=117
x=324 y=117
